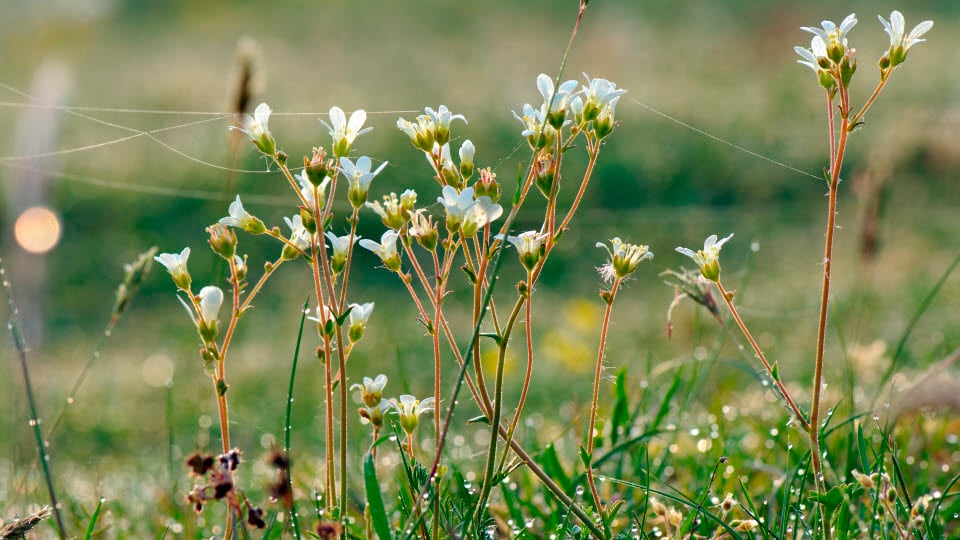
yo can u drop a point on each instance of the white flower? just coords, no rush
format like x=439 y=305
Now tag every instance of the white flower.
x=556 y=103
x=211 y=298
x=811 y=56
x=834 y=37
x=176 y=264
x=421 y=134
x=624 y=257
x=482 y=212
x=386 y=249
x=359 y=175
x=299 y=237
x=408 y=199
x=441 y=119
x=423 y=229
x=708 y=259
x=391 y=211
x=357 y=321
x=576 y=108
x=900 y=44
x=372 y=387
x=410 y=409
x=239 y=217
x=373 y=414
x=344 y=132
x=529 y=245
x=341 y=248
x=456 y=205
x=256 y=127
x=598 y=94
x=534 y=123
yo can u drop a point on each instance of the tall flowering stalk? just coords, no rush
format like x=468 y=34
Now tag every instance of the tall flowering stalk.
x=624 y=259
x=834 y=64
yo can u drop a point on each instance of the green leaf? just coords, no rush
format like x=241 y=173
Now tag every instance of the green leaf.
x=93 y=520
x=492 y=335
x=844 y=522
x=343 y=316
x=482 y=419
x=585 y=457
x=862 y=448
x=621 y=413
x=378 y=513
x=554 y=469
x=667 y=398
x=831 y=500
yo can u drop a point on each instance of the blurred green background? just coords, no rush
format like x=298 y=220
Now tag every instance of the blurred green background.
x=727 y=69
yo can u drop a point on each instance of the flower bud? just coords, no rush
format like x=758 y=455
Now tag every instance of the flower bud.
x=318 y=167
x=240 y=267
x=848 y=66
x=884 y=62
x=211 y=298
x=306 y=217
x=544 y=175
x=467 y=151
x=603 y=125
x=408 y=201
x=825 y=79
x=222 y=241
x=487 y=185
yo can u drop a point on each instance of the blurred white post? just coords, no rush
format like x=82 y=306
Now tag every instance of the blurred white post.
x=27 y=186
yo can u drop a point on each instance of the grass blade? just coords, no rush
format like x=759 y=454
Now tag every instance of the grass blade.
x=374 y=499
x=294 y=518
x=21 y=347
x=93 y=520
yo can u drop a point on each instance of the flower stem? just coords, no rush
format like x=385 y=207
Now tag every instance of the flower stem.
x=869 y=102
x=813 y=428
x=528 y=335
x=797 y=413
x=596 y=391
x=488 y=477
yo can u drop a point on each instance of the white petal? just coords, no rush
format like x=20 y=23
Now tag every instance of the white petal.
x=357 y=119
x=918 y=31
x=337 y=118
x=897 y=24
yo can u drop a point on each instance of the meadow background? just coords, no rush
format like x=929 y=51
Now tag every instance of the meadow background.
x=725 y=68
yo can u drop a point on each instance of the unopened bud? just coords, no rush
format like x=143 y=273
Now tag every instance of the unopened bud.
x=222 y=240
x=544 y=174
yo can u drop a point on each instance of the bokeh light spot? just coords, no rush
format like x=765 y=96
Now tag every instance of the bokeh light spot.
x=37 y=229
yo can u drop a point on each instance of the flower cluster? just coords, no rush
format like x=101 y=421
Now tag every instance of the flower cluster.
x=375 y=408
x=592 y=107
x=832 y=59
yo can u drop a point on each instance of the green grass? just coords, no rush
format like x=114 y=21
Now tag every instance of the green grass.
x=686 y=420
